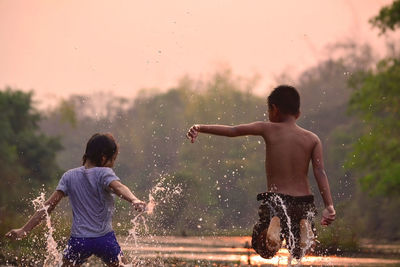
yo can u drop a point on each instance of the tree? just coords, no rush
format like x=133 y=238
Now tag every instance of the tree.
x=377 y=153
x=388 y=17
x=27 y=155
x=376 y=100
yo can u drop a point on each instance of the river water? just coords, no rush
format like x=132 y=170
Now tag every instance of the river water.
x=150 y=250
x=231 y=251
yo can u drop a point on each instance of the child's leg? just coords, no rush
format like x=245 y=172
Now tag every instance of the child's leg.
x=274 y=234
x=266 y=239
x=259 y=240
x=108 y=249
x=77 y=252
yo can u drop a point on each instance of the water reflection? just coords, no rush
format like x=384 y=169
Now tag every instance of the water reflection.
x=232 y=249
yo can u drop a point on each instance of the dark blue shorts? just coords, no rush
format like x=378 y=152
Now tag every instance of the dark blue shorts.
x=106 y=247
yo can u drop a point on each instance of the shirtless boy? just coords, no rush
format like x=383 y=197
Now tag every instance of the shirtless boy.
x=287 y=208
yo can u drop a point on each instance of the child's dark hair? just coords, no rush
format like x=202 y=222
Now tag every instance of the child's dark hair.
x=100 y=145
x=286 y=99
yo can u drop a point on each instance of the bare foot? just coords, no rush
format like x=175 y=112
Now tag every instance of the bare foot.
x=273 y=234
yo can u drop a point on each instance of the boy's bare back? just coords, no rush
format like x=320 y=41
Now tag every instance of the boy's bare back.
x=289 y=150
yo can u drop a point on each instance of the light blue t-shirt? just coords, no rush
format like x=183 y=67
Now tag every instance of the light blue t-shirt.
x=91 y=199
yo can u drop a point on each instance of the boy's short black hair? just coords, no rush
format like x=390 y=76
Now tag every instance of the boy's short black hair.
x=286 y=98
x=100 y=145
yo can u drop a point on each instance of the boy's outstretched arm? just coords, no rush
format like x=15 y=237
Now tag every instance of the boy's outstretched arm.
x=124 y=192
x=255 y=128
x=329 y=213
x=39 y=215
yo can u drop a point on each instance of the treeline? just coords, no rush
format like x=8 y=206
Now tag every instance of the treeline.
x=27 y=154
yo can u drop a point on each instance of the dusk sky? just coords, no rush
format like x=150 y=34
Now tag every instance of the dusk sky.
x=63 y=47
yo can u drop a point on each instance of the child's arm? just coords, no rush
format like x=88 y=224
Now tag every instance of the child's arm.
x=255 y=128
x=328 y=214
x=39 y=215
x=124 y=192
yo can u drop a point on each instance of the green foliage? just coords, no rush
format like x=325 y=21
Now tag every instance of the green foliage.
x=27 y=155
x=376 y=154
x=378 y=216
x=339 y=237
x=388 y=17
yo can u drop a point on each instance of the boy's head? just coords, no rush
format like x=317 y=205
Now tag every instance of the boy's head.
x=284 y=100
x=101 y=150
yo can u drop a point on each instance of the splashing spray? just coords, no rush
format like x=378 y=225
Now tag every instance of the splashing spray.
x=291 y=240
x=53 y=256
x=161 y=192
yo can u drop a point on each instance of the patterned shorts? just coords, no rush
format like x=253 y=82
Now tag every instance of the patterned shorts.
x=290 y=211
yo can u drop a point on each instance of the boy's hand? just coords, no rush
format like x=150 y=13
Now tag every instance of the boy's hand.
x=16 y=234
x=193 y=132
x=139 y=206
x=328 y=215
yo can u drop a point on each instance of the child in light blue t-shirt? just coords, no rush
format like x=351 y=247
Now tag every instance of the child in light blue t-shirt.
x=91 y=190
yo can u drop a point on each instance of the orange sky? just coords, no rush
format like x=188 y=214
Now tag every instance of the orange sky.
x=61 y=47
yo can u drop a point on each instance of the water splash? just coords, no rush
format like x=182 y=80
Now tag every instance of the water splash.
x=291 y=240
x=162 y=192
x=310 y=235
x=53 y=256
